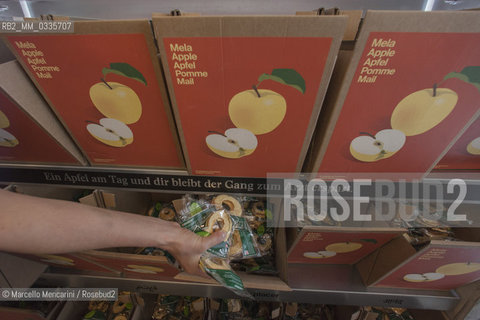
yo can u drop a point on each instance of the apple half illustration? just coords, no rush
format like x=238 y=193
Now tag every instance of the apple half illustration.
x=474 y=147
x=424 y=277
x=4 y=122
x=369 y=148
x=143 y=269
x=459 y=268
x=111 y=132
x=234 y=144
x=319 y=254
x=59 y=260
x=343 y=247
x=7 y=139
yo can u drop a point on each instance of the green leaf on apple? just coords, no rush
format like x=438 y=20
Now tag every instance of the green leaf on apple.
x=369 y=240
x=126 y=70
x=289 y=77
x=468 y=74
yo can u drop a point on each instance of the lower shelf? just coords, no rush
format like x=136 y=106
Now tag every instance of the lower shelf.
x=356 y=294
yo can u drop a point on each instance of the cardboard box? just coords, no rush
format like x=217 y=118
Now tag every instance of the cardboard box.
x=353 y=24
x=323 y=257
x=338 y=245
x=70 y=261
x=29 y=131
x=105 y=70
x=465 y=153
x=442 y=265
x=398 y=55
x=213 y=67
x=133 y=265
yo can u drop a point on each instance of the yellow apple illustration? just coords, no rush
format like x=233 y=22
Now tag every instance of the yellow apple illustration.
x=7 y=139
x=111 y=132
x=383 y=145
x=143 y=269
x=117 y=101
x=425 y=277
x=454 y=269
x=4 y=122
x=258 y=110
x=50 y=258
x=343 y=247
x=474 y=147
x=234 y=144
x=422 y=110
x=319 y=254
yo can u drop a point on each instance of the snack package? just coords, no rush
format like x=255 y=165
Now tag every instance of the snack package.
x=188 y=206
x=208 y=221
x=97 y=310
x=179 y=308
x=162 y=211
x=220 y=270
x=243 y=245
x=122 y=308
x=228 y=203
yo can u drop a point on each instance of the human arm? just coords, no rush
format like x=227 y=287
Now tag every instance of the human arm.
x=38 y=225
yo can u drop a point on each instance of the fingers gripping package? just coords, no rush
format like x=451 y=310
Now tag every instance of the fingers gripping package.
x=206 y=215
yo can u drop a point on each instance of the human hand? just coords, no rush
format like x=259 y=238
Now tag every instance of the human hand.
x=187 y=248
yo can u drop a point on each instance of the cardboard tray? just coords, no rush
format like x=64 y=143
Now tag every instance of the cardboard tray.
x=457 y=263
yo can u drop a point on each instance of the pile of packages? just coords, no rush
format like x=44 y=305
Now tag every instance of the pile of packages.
x=248 y=242
x=121 y=309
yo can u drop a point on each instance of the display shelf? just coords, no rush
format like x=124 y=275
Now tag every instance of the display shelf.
x=170 y=181
x=356 y=294
x=137 y=179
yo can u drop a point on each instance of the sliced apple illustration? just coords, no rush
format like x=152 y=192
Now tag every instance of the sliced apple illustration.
x=143 y=269
x=455 y=269
x=474 y=147
x=4 y=122
x=260 y=110
x=234 y=144
x=319 y=254
x=425 y=277
x=115 y=100
x=7 y=139
x=383 y=145
x=422 y=110
x=111 y=132
x=343 y=247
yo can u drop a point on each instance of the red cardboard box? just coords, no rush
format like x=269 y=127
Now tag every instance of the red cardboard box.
x=465 y=153
x=29 y=131
x=104 y=82
x=246 y=91
x=410 y=91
